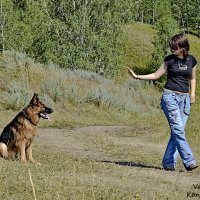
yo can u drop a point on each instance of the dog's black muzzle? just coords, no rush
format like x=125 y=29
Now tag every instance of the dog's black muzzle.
x=48 y=110
x=45 y=113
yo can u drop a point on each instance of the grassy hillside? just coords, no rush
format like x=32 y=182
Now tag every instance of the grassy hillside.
x=139 y=47
x=82 y=98
x=78 y=97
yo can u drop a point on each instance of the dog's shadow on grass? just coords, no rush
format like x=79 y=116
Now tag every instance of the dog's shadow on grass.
x=132 y=164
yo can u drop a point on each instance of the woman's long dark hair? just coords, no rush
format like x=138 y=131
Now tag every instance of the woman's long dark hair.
x=180 y=41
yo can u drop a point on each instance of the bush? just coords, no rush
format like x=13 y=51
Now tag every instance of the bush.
x=16 y=95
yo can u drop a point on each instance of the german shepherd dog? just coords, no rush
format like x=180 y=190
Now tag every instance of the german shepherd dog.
x=17 y=137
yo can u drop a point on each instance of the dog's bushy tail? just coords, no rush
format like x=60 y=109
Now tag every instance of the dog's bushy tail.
x=3 y=150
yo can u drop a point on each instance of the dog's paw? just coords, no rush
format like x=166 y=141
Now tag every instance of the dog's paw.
x=35 y=162
x=38 y=163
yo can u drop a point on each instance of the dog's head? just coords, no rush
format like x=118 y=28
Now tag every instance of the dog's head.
x=38 y=108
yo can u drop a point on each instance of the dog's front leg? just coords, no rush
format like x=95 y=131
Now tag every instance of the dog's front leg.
x=22 y=151
x=30 y=155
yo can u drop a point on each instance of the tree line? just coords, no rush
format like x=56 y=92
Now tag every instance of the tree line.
x=87 y=34
x=185 y=12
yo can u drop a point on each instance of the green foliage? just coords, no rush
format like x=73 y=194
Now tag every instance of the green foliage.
x=78 y=35
x=88 y=34
x=166 y=27
x=187 y=15
x=185 y=12
x=86 y=75
x=17 y=34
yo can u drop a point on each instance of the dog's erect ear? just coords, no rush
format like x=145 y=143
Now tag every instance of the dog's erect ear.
x=35 y=95
x=34 y=100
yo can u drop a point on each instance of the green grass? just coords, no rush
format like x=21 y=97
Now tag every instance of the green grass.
x=195 y=50
x=139 y=47
x=107 y=166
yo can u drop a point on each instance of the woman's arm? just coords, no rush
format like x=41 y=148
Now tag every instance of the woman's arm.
x=193 y=85
x=157 y=74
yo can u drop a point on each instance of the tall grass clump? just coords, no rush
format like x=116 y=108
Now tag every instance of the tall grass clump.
x=13 y=59
x=16 y=95
x=131 y=96
x=101 y=96
x=54 y=88
x=59 y=90
x=142 y=91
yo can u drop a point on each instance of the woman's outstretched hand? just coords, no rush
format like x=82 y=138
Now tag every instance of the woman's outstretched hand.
x=132 y=73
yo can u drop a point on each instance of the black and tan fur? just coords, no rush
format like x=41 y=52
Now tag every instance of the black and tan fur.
x=17 y=137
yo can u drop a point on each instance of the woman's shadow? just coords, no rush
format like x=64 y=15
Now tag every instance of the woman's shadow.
x=132 y=164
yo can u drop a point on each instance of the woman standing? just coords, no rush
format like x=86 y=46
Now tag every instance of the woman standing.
x=177 y=96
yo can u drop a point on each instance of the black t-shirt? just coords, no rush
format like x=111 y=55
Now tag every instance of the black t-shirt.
x=179 y=72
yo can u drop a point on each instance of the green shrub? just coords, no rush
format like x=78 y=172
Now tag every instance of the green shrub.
x=16 y=96
x=99 y=96
x=54 y=88
x=130 y=96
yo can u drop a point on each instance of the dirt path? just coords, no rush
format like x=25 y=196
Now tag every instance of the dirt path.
x=68 y=140
x=77 y=142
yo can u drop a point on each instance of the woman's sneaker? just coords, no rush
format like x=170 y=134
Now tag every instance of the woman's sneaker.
x=191 y=167
x=168 y=169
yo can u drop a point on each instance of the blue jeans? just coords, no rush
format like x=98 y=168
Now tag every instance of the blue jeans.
x=176 y=108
